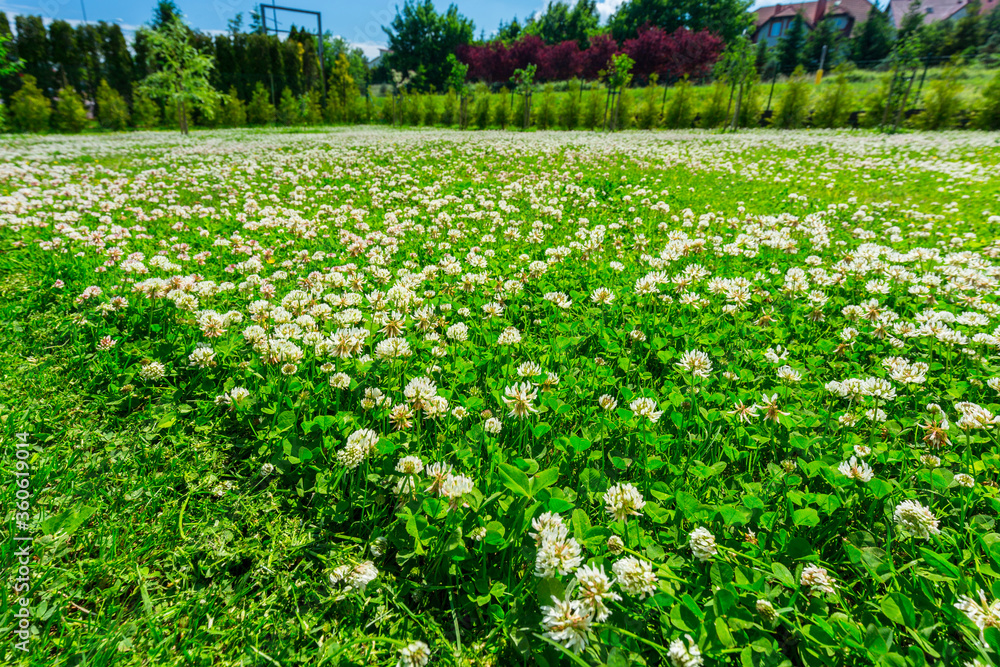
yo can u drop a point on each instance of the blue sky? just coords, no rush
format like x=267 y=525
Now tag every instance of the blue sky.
x=358 y=21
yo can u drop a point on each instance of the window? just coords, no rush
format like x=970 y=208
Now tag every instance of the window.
x=775 y=29
x=840 y=23
x=930 y=10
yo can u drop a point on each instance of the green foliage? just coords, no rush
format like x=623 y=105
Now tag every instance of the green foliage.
x=145 y=112
x=872 y=41
x=794 y=104
x=942 y=102
x=569 y=110
x=715 y=112
x=680 y=110
x=233 y=112
x=413 y=108
x=726 y=18
x=875 y=105
x=751 y=102
x=182 y=75
x=649 y=113
x=29 y=109
x=8 y=65
x=827 y=34
x=524 y=86
x=792 y=45
x=260 y=111
x=289 y=110
x=449 y=109
x=432 y=112
x=988 y=107
x=545 y=113
x=69 y=115
x=835 y=101
x=421 y=39
x=341 y=92
x=503 y=111
x=560 y=22
x=617 y=77
x=481 y=107
x=311 y=107
x=112 y=111
x=593 y=109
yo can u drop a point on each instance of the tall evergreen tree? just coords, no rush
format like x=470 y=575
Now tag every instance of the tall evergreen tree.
x=873 y=39
x=726 y=18
x=791 y=45
x=64 y=55
x=117 y=59
x=164 y=13
x=33 y=49
x=824 y=34
x=88 y=44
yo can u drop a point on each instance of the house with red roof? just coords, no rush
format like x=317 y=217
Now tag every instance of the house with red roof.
x=936 y=10
x=774 y=21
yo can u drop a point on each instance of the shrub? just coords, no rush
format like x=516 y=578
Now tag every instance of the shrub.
x=988 y=108
x=502 y=112
x=794 y=104
x=431 y=112
x=714 y=113
x=3 y=117
x=145 y=112
x=593 y=111
x=70 y=116
x=112 y=111
x=170 y=116
x=875 y=104
x=626 y=111
x=29 y=109
x=310 y=108
x=545 y=114
x=449 y=110
x=942 y=103
x=481 y=107
x=569 y=110
x=649 y=113
x=413 y=109
x=260 y=111
x=680 y=109
x=289 y=111
x=750 y=105
x=835 y=102
x=233 y=112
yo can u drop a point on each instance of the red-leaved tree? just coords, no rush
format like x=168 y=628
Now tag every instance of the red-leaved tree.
x=675 y=55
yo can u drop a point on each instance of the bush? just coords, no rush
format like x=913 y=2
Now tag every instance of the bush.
x=449 y=111
x=545 y=113
x=626 y=113
x=593 y=111
x=145 y=112
x=794 y=104
x=29 y=109
x=112 y=111
x=260 y=111
x=70 y=115
x=310 y=108
x=3 y=117
x=988 y=108
x=834 y=105
x=502 y=112
x=171 y=118
x=649 y=113
x=289 y=112
x=680 y=109
x=481 y=107
x=875 y=104
x=413 y=109
x=431 y=112
x=715 y=111
x=569 y=111
x=233 y=112
x=750 y=105
x=942 y=103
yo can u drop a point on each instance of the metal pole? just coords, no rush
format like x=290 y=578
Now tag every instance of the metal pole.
x=322 y=65
x=84 y=8
x=822 y=61
x=774 y=80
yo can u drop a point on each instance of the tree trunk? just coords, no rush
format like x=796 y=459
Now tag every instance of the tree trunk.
x=182 y=117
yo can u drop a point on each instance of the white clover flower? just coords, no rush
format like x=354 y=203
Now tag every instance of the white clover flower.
x=567 y=622
x=695 y=362
x=702 y=544
x=983 y=614
x=685 y=655
x=915 y=519
x=817 y=578
x=492 y=426
x=858 y=471
x=154 y=370
x=607 y=402
x=414 y=654
x=766 y=610
x=622 y=501
x=360 y=445
x=645 y=407
x=965 y=480
x=520 y=399
x=635 y=576
x=410 y=465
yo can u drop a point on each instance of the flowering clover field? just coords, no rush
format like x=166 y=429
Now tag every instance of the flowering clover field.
x=407 y=398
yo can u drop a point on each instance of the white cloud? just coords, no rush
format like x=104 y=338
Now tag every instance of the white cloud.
x=607 y=7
